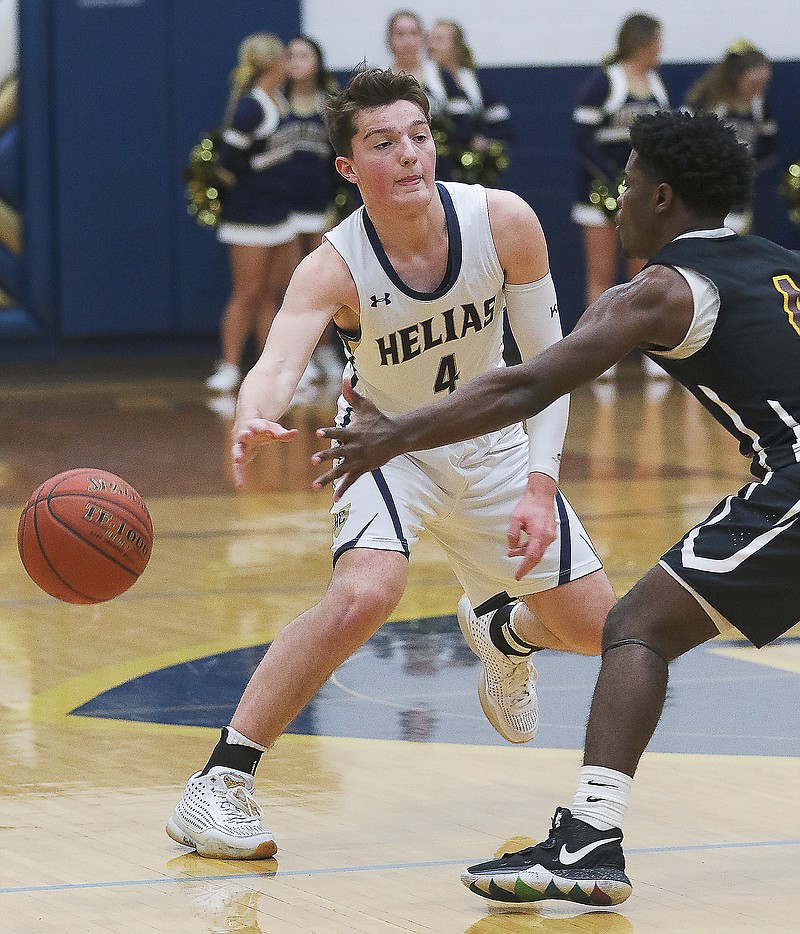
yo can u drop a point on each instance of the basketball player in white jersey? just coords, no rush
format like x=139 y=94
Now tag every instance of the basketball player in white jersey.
x=416 y=282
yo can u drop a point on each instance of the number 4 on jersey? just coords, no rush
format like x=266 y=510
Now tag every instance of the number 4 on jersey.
x=448 y=375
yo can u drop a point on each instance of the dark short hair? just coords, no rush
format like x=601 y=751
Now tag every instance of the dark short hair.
x=698 y=155
x=369 y=87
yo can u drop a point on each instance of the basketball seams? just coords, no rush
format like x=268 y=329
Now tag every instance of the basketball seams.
x=118 y=516
x=146 y=529
x=70 y=474
x=49 y=563
x=83 y=538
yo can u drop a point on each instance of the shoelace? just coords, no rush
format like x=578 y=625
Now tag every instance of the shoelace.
x=238 y=804
x=515 y=686
x=549 y=844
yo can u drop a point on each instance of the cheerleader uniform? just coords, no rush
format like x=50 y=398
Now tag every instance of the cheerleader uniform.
x=311 y=171
x=602 y=119
x=471 y=109
x=256 y=147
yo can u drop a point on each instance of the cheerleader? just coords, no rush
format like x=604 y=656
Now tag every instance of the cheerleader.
x=312 y=184
x=406 y=40
x=734 y=89
x=480 y=124
x=255 y=220
x=607 y=104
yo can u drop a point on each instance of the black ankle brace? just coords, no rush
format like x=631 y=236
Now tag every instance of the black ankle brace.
x=233 y=756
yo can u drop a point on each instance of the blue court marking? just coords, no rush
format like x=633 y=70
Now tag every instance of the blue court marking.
x=381 y=867
x=414 y=680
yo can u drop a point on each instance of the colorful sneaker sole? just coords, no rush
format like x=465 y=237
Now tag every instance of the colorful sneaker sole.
x=533 y=885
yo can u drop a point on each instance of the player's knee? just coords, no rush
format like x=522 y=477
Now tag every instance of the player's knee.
x=631 y=620
x=623 y=622
x=370 y=601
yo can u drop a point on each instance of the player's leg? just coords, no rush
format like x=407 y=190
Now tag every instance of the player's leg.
x=735 y=568
x=365 y=588
x=568 y=617
x=502 y=632
x=506 y=634
x=218 y=814
x=247 y=266
x=654 y=623
x=582 y=859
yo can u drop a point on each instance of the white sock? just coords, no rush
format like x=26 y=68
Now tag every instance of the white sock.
x=235 y=738
x=602 y=797
x=510 y=633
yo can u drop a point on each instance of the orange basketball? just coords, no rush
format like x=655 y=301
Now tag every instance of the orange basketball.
x=85 y=536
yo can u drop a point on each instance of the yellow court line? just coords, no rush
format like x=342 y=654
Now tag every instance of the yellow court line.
x=55 y=704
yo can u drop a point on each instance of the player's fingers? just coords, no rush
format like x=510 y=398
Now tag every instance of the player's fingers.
x=514 y=529
x=270 y=432
x=237 y=462
x=533 y=555
x=353 y=398
x=328 y=477
x=334 y=433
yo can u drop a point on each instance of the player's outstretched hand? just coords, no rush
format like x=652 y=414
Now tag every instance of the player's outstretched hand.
x=362 y=446
x=253 y=434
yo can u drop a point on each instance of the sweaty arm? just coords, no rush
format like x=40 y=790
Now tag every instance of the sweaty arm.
x=652 y=311
x=320 y=289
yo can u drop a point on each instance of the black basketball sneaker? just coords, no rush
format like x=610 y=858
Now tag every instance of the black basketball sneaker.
x=576 y=863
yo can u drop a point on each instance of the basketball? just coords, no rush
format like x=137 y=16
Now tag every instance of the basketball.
x=85 y=536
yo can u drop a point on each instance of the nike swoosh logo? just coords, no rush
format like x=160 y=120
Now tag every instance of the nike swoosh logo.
x=568 y=858
x=599 y=784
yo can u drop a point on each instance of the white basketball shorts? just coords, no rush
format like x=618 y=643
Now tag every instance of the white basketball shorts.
x=463 y=495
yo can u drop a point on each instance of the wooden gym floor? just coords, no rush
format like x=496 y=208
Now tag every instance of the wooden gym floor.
x=391 y=780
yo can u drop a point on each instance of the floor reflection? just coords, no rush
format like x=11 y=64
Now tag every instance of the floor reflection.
x=416 y=680
x=226 y=905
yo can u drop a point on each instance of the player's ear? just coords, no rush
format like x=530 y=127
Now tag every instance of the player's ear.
x=345 y=168
x=665 y=197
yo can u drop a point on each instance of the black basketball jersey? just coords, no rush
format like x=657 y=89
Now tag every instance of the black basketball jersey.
x=747 y=374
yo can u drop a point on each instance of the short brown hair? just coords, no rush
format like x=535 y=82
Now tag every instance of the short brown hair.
x=370 y=87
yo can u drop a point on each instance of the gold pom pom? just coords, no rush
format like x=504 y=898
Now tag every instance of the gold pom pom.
x=206 y=182
x=606 y=196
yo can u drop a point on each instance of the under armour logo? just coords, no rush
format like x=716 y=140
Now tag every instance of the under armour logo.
x=386 y=300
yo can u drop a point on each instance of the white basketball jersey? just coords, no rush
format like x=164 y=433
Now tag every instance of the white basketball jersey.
x=415 y=346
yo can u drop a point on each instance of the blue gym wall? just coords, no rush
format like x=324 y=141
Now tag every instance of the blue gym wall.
x=113 y=96
x=114 y=93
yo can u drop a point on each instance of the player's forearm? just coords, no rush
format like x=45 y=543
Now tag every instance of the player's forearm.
x=489 y=402
x=266 y=392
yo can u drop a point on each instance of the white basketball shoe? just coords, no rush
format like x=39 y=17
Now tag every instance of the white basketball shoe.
x=218 y=816
x=225 y=378
x=507 y=683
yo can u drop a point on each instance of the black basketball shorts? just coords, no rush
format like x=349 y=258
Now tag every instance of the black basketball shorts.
x=744 y=559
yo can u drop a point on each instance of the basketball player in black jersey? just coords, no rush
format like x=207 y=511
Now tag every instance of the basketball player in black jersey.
x=721 y=313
